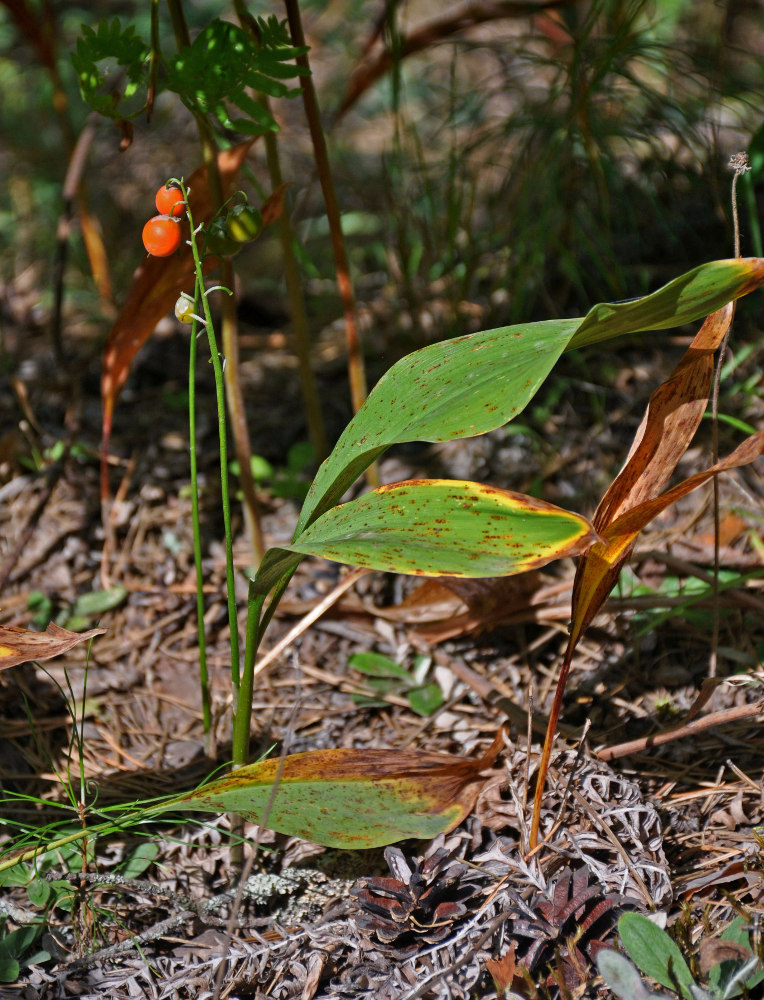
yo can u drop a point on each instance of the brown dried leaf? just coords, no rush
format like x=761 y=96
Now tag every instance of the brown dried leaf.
x=714 y=950
x=669 y=424
x=19 y=645
x=502 y=970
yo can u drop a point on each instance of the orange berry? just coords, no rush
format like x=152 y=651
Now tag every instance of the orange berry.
x=161 y=236
x=169 y=201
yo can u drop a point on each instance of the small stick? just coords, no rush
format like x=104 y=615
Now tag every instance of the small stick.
x=684 y=729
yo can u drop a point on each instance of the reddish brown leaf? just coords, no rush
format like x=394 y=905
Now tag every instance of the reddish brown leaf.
x=595 y=578
x=713 y=951
x=19 y=645
x=669 y=424
x=273 y=206
x=502 y=970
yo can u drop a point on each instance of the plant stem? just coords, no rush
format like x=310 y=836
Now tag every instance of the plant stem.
x=356 y=371
x=228 y=322
x=203 y=675
x=224 y=490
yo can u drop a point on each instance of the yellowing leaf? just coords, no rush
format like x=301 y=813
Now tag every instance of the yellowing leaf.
x=437 y=527
x=19 y=645
x=349 y=798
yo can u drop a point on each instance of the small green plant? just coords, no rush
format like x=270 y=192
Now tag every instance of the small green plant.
x=385 y=677
x=734 y=970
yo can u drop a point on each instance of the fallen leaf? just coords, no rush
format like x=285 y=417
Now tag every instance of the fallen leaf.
x=19 y=645
x=713 y=951
x=502 y=970
x=349 y=798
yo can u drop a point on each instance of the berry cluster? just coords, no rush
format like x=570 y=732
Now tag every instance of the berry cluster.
x=225 y=235
x=161 y=234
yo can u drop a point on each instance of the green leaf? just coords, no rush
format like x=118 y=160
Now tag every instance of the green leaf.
x=111 y=67
x=97 y=602
x=425 y=700
x=9 y=970
x=621 y=976
x=39 y=892
x=444 y=527
x=377 y=665
x=348 y=798
x=655 y=953
x=140 y=859
x=470 y=385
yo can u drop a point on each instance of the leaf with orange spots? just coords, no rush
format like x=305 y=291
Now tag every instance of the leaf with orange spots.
x=349 y=798
x=19 y=645
x=446 y=527
x=470 y=385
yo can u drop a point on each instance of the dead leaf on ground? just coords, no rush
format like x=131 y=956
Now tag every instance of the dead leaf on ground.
x=19 y=645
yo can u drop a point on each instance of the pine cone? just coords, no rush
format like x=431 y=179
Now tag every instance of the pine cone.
x=563 y=931
x=420 y=904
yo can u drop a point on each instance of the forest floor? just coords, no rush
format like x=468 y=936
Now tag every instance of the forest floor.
x=671 y=827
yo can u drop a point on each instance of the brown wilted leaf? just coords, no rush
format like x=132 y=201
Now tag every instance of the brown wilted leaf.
x=19 y=645
x=273 y=206
x=502 y=970
x=668 y=426
x=713 y=951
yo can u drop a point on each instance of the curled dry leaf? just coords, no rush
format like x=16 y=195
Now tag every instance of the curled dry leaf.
x=668 y=426
x=19 y=645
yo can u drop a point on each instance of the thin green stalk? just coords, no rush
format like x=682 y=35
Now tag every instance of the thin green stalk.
x=257 y=623
x=217 y=368
x=234 y=396
x=253 y=634
x=203 y=674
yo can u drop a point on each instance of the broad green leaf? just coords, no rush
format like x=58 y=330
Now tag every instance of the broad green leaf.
x=655 y=953
x=621 y=976
x=468 y=386
x=97 y=602
x=437 y=527
x=443 y=527
x=349 y=798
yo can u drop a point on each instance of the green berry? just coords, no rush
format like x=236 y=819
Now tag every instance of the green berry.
x=243 y=223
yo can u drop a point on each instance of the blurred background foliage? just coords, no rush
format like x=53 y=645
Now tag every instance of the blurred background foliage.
x=523 y=163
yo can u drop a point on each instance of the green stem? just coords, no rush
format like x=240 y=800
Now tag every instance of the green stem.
x=203 y=675
x=224 y=489
x=228 y=321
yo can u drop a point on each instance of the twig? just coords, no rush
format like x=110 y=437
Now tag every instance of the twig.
x=683 y=729
x=313 y=615
x=355 y=362
x=132 y=943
